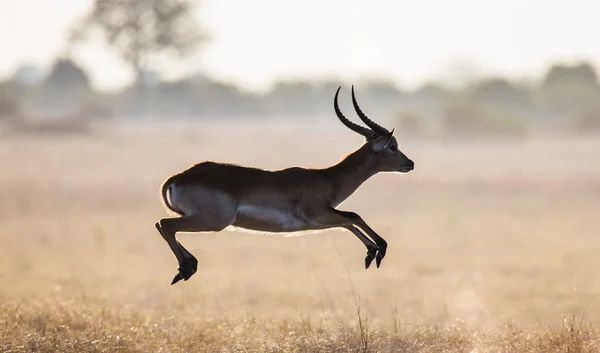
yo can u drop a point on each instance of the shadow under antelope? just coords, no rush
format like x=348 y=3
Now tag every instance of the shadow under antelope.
x=211 y=196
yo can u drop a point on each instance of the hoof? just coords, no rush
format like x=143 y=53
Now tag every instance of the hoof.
x=184 y=273
x=370 y=257
x=177 y=278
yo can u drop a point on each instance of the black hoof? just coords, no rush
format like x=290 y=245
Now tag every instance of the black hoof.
x=370 y=257
x=185 y=273
x=177 y=278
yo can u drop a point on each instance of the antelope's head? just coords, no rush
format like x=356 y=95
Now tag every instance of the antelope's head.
x=380 y=142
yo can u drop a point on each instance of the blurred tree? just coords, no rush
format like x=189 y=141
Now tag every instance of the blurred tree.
x=141 y=29
x=432 y=91
x=570 y=94
x=65 y=73
x=500 y=91
x=583 y=73
x=465 y=115
x=503 y=98
x=63 y=91
x=8 y=103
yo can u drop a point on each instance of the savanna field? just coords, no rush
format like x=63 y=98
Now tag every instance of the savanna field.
x=494 y=246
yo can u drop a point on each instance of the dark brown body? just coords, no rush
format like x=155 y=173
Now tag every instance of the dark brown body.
x=212 y=196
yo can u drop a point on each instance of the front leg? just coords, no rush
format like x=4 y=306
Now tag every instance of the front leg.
x=356 y=220
x=371 y=247
x=331 y=217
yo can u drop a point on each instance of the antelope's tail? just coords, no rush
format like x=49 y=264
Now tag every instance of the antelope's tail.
x=166 y=194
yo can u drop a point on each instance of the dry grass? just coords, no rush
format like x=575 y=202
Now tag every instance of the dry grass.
x=493 y=247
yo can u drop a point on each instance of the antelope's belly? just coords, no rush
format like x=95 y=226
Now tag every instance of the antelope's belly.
x=269 y=219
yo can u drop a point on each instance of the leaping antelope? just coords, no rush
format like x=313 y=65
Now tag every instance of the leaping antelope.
x=211 y=196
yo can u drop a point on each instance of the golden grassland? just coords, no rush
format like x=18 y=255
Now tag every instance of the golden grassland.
x=494 y=246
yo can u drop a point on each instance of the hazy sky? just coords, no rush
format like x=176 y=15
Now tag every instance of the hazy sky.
x=256 y=42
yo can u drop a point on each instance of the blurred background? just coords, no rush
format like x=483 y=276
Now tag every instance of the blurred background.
x=429 y=68
x=498 y=104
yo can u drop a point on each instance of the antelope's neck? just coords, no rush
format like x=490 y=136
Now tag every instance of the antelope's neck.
x=347 y=175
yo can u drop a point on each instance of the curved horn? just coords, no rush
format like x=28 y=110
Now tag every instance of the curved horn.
x=380 y=130
x=369 y=134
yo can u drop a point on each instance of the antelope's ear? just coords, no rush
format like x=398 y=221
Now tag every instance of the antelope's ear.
x=389 y=138
x=382 y=142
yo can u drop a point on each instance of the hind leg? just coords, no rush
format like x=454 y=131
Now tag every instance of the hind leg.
x=204 y=210
x=168 y=227
x=190 y=263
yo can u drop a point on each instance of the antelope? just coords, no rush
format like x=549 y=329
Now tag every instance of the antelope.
x=210 y=196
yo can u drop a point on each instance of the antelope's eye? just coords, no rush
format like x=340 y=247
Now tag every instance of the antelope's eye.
x=393 y=148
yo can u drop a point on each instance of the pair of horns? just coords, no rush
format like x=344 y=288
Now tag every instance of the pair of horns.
x=375 y=130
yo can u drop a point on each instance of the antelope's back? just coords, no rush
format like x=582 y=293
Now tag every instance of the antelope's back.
x=240 y=181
